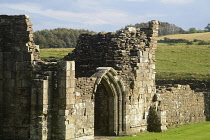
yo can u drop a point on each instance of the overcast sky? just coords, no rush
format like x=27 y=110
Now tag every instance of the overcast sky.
x=109 y=15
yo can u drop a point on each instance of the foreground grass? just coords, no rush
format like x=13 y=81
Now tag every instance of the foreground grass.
x=199 y=131
x=183 y=62
x=190 y=37
x=55 y=52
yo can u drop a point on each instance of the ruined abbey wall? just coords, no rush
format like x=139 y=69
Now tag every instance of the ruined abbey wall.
x=131 y=53
x=17 y=53
x=180 y=104
x=106 y=86
x=197 y=87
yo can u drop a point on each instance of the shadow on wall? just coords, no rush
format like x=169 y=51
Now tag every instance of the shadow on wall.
x=153 y=120
x=207 y=105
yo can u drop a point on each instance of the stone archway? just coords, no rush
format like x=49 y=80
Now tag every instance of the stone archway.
x=109 y=115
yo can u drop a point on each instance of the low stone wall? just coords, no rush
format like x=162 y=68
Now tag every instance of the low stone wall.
x=198 y=85
x=207 y=105
x=180 y=104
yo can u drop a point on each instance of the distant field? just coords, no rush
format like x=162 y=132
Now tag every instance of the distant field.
x=200 y=36
x=57 y=52
x=172 y=61
x=199 y=131
x=183 y=62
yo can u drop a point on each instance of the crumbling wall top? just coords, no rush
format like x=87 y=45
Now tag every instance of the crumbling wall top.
x=17 y=35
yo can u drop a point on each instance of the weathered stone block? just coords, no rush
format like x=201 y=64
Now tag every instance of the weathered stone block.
x=70 y=99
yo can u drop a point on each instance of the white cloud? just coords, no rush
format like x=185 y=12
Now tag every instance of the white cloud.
x=87 y=14
x=96 y=16
x=176 y=1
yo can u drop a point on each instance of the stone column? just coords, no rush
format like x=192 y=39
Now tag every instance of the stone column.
x=65 y=102
x=40 y=128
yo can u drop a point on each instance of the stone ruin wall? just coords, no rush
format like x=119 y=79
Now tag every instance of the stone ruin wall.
x=197 y=86
x=31 y=90
x=17 y=56
x=56 y=99
x=178 y=105
x=179 y=102
x=131 y=53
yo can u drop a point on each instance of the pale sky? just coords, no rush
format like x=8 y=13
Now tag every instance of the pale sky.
x=109 y=15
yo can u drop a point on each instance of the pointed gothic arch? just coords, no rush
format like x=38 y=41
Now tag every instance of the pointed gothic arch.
x=109 y=92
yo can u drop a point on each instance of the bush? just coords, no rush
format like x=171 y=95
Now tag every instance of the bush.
x=204 y=43
x=190 y=43
x=168 y=40
x=196 y=40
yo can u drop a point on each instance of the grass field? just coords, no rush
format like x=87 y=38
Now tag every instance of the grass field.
x=183 y=61
x=200 y=36
x=199 y=131
x=57 y=52
x=172 y=61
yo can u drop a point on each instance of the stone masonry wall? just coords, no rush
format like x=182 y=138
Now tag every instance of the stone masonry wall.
x=17 y=56
x=138 y=103
x=109 y=89
x=84 y=108
x=131 y=52
x=207 y=105
x=180 y=104
x=44 y=91
x=196 y=85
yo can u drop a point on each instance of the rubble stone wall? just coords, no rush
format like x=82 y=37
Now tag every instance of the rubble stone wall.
x=180 y=104
x=84 y=107
x=207 y=105
x=197 y=86
x=131 y=52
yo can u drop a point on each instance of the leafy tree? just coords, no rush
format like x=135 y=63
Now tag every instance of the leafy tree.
x=200 y=31
x=207 y=28
x=58 y=38
x=165 y=28
x=192 y=30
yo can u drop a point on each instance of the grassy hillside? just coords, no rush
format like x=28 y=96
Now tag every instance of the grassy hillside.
x=173 y=61
x=200 y=36
x=199 y=131
x=183 y=62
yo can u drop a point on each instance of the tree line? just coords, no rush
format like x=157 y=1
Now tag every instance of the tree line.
x=67 y=38
x=58 y=38
x=194 y=30
x=166 y=28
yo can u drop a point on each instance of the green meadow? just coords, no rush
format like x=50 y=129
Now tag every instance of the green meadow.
x=182 y=61
x=55 y=52
x=198 y=131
